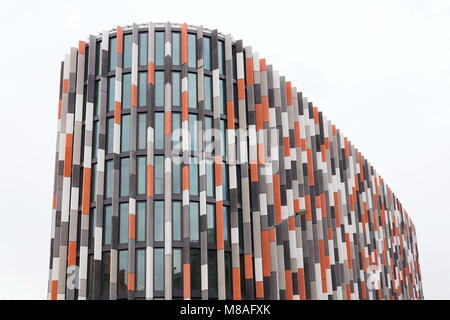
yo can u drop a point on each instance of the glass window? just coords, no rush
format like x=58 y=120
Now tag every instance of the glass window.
x=159 y=48
x=233 y=50
x=127 y=44
x=140 y=221
x=195 y=270
x=93 y=182
x=159 y=89
x=141 y=174
x=109 y=135
x=210 y=187
x=159 y=174
x=212 y=272
x=92 y=224
x=194 y=232
x=142 y=131
x=176 y=133
x=123 y=223
x=225 y=190
x=176 y=89
x=192 y=51
x=223 y=138
x=177 y=270
x=193 y=176
x=207 y=53
x=222 y=93
x=175 y=48
x=126 y=91
x=122 y=275
x=107 y=225
x=177 y=223
x=193 y=138
x=111 y=93
x=140 y=269
x=159 y=270
x=126 y=133
x=90 y=276
x=176 y=175
x=226 y=226
x=192 y=86
x=106 y=270
x=159 y=221
x=208 y=93
x=211 y=222
x=209 y=136
x=97 y=97
x=221 y=53
x=241 y=229
x=109 y=178
x=98 y=58
x=112 y=54
x=124 y=177
x=142 y=89
x=159 y=130
x=143 y=47
x=228 y=278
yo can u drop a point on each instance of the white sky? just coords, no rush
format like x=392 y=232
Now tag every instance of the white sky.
x=380 y=70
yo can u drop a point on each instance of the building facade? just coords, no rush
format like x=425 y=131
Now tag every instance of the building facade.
x=188 y=168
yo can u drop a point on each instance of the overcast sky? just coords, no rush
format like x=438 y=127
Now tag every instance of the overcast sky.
x=379 y=70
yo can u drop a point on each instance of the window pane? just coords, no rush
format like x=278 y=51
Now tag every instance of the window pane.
x=112 y=54
x=140 y=221
x=177 y=271
x=159 y=270
x=195 y=269
x=140 y=270
x=222 y=92
x=98 y=58
x=176 y=89
x=159 y=48
x=159 y=130
x=192 y=52
x=92 y=224
x=226 y=225
x=210 y=187
x=228 y=273
x=107 y=225
x=126 y=91
x=95 y=139
x=106 y=265
x=141 y=174
x=110 y=135
x=109 y=178
x=159 y=221
x=127 y=43
x=193 y=132
x=212 y=272
x=176 y=175
x=159 y=174
x=192 y=86
x=208 y=93
x=94 y=182
x=142 y=131
x=175 y=48
x=123 y=223
x=159 y=89
x=221 y=56
x=225 y=181
x=223 y=138
x=122 y=275
x=111 y=93
x=210 y=222
x=142 y=89
x=194 y=221
x=193 y=177
x=90 y=277
x=207 y=53
x=126 y=133
x=124 y=177
x=143 y=47
x=209 y=136
x=176 y=133
x=97 y=97
x=176 y=212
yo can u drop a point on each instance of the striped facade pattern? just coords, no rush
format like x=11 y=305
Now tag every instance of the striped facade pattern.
x=286 y=207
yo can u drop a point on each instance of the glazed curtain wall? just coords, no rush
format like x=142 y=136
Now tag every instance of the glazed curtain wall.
x=188 y=168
